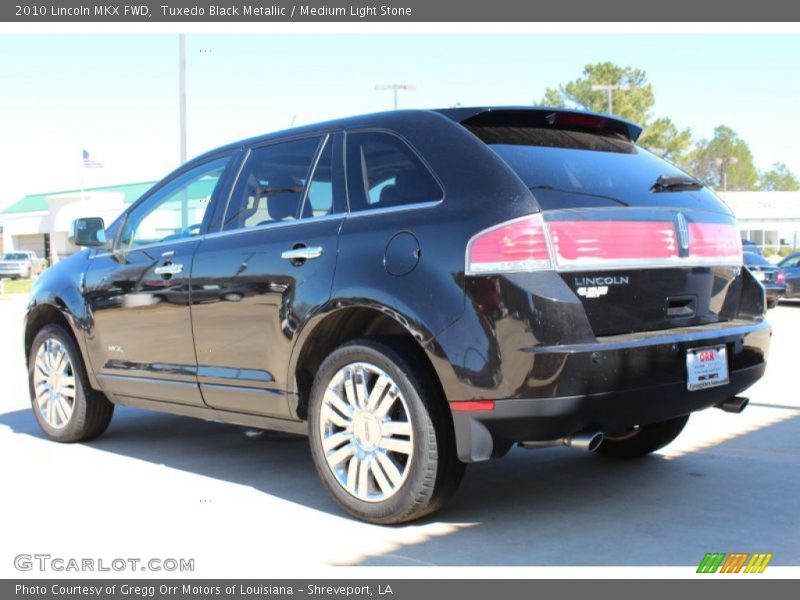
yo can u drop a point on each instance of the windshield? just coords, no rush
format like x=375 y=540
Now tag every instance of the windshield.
x=569 y=169
x=15 y=256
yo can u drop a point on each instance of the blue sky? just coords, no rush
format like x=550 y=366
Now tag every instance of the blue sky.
x=117 y=95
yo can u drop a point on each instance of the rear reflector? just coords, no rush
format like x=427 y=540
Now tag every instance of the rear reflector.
x=471 y=405
x=514 y=246
x=562 y=242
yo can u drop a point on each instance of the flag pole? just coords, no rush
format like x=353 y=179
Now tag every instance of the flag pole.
x=83 y=196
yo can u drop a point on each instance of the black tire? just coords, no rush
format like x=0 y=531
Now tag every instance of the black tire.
x=772 y=303
x=433 y=471
x=646 y=439
x=91 y=410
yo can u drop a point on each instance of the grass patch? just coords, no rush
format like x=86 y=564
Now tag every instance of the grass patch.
x=17 y=286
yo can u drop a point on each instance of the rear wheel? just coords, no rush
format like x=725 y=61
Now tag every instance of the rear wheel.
x=65 y=405
x=381 y=436
x=772 y=303
x=642 y=440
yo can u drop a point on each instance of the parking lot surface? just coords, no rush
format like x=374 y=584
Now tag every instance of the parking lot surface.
x=160 y=486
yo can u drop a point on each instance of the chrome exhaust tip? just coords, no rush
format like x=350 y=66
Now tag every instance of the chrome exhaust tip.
x=734 y=405
x=588 y=441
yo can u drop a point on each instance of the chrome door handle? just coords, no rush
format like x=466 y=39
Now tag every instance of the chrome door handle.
x=302 y=253
x=170 y=269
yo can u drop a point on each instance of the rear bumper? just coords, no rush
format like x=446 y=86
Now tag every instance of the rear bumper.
x=775 y=292
x=626 y=381
x=13 y=271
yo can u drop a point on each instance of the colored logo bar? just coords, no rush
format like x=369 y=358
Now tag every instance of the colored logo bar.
x=736 y=562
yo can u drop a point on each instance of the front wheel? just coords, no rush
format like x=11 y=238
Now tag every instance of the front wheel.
x=65 y=405
x=381 y=435
x=642 y=440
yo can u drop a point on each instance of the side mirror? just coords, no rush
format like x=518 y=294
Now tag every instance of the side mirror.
x=89 y=231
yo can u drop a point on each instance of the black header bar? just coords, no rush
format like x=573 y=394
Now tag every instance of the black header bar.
x=410 y=11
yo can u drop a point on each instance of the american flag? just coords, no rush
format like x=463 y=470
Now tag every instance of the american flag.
x=88 y=163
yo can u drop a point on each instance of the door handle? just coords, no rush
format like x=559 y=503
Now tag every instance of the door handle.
x=169 y=269
x=303 y=253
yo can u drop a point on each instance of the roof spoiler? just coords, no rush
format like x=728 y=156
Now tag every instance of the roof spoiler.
x=544 y=117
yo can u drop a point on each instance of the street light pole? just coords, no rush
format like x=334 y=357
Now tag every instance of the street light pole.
x=723 y=162
x=182 y=93
x=608 y=89
x=395 y=87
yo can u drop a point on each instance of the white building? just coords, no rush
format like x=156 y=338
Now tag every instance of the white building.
x=770 y=219
x=40 y=222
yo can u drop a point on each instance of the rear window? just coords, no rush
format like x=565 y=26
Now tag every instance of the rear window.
x=579 y=169
x=15 y=256
x=753 y=259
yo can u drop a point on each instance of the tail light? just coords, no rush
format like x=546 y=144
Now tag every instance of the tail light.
x=714 y=243
x=571 y=241
x=780 y=276
x=514 y=246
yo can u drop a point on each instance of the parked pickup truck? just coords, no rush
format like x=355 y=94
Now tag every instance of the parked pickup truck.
x=21 y=264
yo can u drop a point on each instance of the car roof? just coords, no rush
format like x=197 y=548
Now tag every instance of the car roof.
x=479 y=115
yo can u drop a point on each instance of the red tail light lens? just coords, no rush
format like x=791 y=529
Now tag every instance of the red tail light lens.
x=563 y=242
x=715 y=243
x=616 y=243
x=780 y=277
x=514 y=246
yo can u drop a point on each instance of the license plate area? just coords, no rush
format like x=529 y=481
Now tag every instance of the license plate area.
x=706 y=367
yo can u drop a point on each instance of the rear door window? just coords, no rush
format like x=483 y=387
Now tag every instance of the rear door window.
x=384 y=172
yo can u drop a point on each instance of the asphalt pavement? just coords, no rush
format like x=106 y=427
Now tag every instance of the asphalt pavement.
x=160 y=486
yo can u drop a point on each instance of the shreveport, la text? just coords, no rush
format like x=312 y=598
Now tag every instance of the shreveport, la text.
x=186 y=589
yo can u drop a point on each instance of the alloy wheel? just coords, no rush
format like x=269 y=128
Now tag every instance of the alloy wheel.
x=54 y=383
x=366 y=432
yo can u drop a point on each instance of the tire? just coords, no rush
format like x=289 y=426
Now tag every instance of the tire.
x=772 y=303
x=408 y=473
x=646 y=439
x=81 y=417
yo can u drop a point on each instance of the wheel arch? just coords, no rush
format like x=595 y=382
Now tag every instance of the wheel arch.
x=55 y=311
x=334 y=328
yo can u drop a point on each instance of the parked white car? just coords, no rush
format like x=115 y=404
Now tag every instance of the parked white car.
x=22 y=264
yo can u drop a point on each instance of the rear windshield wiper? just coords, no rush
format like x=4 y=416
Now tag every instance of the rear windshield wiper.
x=555 y=189
x=675 y=183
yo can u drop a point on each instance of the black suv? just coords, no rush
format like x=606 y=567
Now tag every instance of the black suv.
x=414 y=290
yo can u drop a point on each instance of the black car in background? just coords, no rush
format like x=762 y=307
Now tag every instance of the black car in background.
x=414 y=290
x=771 y=277
x=791 y=269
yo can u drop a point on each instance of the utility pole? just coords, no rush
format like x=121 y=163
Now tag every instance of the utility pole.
x=182 y=93
x=722 y=163
x=608 y=89
x=395 y=87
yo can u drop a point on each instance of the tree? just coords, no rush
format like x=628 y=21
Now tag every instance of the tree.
x=725 y=153
x=661 y=136
x=779 y=179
